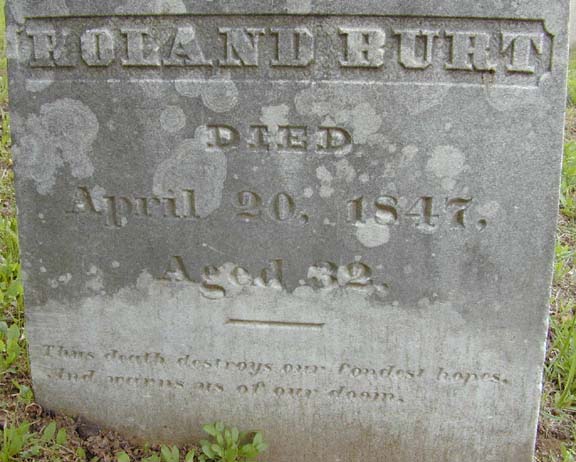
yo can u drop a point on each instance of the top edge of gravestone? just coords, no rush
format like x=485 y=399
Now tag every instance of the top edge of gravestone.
x=554 y=11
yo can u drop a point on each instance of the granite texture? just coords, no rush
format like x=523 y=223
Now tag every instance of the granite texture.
x=332 y=221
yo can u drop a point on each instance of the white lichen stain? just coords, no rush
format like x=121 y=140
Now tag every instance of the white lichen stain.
x=345 y=171
x=61 y=134
x=364 y=120
x=308 y=192
x=173 y=119
x=347 y=110
x=196 y=167
x=403 y=202
x=377 y=139
x=328 y=122
x=152 y=88
x=157 y=6
x=408 y=153
x=40 y=83
x=489 y=210
x=325 y=177
x=274 y=116
x=65 y=278
x=372 y=234
x=97 y=193
x=217 y=94
x=95 y=281
x=447 y=163
x=299 y=6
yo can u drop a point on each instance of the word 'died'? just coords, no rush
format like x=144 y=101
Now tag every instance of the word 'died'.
x=288 y=138
x=393 y=45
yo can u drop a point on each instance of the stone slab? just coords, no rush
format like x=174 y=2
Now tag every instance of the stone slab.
x=572 y=24
x=329 y=220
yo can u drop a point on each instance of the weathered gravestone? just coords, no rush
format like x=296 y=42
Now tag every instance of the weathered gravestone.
x=329 y=220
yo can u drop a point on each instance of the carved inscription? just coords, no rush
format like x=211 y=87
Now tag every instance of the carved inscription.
x=282 y=138
x=425 y=213
x=229 y=279
x=117 y=210
x=384 y=384
x=385 y=48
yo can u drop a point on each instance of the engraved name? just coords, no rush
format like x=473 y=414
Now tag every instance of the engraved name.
x=388 y=48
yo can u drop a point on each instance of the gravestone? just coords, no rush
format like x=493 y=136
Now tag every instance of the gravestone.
x=572 y=23
x=332 y=221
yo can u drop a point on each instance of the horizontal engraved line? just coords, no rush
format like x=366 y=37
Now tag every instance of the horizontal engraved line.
x=315 y=82
x=285 y=14
x=278 y=324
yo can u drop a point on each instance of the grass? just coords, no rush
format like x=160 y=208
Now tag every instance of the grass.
x=29 y=434
x=557 y=432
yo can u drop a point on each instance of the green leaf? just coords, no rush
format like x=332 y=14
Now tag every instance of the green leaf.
x=231 y=455
x=81 y=454
x=210 y=429
x=13 y=333
x=49 y=432
x=208 y=451
x=61 y=437
x=166 y=454
x=152 y=458
x=249 y=450
x=122 y=457
x=217 y=449
x=228 y=438
x=219 y=427
x=33 y=451
x=190 y=456
x=25 y=393
x=235 y=434
x=170 y=455
x=258 y=438
x=14 y=289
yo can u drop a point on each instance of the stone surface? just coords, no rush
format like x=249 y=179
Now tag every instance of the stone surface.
x=572 y=23
x=329 y=220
